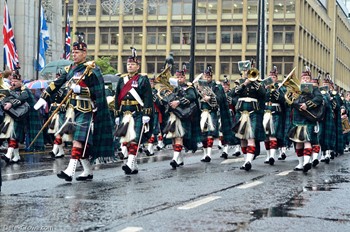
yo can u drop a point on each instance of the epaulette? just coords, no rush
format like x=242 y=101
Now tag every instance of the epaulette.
x=189 y=84
x=124 y=75
x=23 y=87
x=218 y=82
x=66 y=68
x=334 y=92
x=143 y=74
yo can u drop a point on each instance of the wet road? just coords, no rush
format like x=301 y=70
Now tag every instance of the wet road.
x=215 y=196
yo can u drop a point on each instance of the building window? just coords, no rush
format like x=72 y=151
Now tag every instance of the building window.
x=87 y=7
x=155 y=64
x=156 y=35
x=252 y=7
x=133 y=8
x=182 y=7
x=89 y=34
x=206 y=7
x=202 y=63
x=206 y=35
x=232 y=7
x=252 y=34
x=284 y=7
x=181 y=35
x=132 y=35
x=156 y=7
x=108 y=35
x=283 y=34
x=284 y=64
x=234 y=32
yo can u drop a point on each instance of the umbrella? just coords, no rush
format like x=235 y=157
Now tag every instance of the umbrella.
x=55 y=65
x=38 y=84
x=110 y=78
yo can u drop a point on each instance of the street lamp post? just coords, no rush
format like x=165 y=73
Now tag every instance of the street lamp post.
x=260 y=50
x=193 y=32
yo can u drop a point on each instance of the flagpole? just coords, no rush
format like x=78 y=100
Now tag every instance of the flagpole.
x=4 y=67
x=38 y=49
x=65 y=30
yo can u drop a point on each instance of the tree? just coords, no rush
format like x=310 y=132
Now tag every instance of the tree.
x=105 y=66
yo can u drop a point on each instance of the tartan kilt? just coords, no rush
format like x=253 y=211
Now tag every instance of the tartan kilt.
x=192 y=131
x=278 y=125
x=82 y=124
x=256 y=120
x=156 y=129
x=215 y=132
x=300 y=120
x=61 y=119
x=287 y=124
x=19 y=130
x=327 y=132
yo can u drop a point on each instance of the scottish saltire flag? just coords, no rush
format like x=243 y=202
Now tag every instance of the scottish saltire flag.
x=43 y=40
x=67 y=44
x=10 y=50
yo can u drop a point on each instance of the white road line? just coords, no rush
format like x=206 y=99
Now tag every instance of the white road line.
x=199 y=202
x=284 y=173
x=249 y=185
x=131 y=229
x=230 y=161
x=20 y=173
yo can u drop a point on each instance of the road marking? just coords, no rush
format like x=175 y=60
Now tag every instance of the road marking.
x=19 y=173
x=199 y=202
x=230 y=161
x=131 y=229
x=284 y=173
x=249 y=185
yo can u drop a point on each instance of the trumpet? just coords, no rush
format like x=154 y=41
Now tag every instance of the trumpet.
x=253 y=74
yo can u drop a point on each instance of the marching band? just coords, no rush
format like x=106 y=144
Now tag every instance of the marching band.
x=296 y=113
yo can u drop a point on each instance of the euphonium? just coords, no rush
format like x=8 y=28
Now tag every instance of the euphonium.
x=292 y=83
x=253 y=74
x=162 y=84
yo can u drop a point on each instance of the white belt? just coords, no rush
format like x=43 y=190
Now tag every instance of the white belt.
x=247 y=99
x=272 y=104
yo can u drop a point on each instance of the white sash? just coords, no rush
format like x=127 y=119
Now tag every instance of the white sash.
x=133 y=92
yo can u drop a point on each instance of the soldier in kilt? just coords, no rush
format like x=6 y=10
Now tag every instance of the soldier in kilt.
x=86 y=107
x=273 y=116
x=158 y=112
x=57 y=120
x=337 y=103
x=347 y=110
x=303 y=131
x=184 y=132
x=134 y=108
x=17 y=130
x=249 y=127
x=327 y=132
x=213 y=104
x=286 y=114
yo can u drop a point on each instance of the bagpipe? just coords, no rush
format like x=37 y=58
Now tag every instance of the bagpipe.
x=166 y=94
x=18 y=113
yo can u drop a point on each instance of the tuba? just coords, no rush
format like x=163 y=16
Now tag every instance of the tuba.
x=204 y=90
x=162 y=83
x=293 y=95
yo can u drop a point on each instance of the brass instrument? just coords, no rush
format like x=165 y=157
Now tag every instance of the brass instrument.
x=292 y=83
x=162 y=83
x=253 y=74
x=204 y=90
x=111 y=102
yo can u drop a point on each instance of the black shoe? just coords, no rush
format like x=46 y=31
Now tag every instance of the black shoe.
x=63 y=175
x=219 y=147
x=83 y=178
x=181 y=164
x=242 y=167
x=327 y=160
x=173 y=164
x=120 y=155
x=238 y=153
x=323 y=160
x=128 y=170
x=7 y=160
x=248 y=166
x=271 y=161
x=315 y=163
x=332 y=154
x=283 y=157
x=148 y=153
x=256 y=155
x=59 y=156
x=207 y=159
x=159 y=148
x=52 y=154
x=266 y=161
x=306 y=167
x=224 y=155
x=298 y=169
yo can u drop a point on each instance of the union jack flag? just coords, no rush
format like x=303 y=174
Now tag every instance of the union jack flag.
x=67 y=44
x=10 y=50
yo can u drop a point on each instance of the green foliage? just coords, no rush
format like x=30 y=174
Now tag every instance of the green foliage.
x=105 y=66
